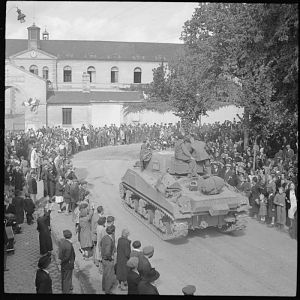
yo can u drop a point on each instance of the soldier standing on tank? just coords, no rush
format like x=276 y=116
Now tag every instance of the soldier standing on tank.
x=145 y=154
x=182 y=153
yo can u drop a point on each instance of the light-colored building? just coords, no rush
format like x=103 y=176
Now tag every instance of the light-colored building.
x=72 y=82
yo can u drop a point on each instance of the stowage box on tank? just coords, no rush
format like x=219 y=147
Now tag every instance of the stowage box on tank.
x=170 y=204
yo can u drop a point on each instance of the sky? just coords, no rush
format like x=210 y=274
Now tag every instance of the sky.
x=159 y=22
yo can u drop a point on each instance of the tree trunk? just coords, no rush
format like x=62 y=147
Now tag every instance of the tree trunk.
x=246 y=128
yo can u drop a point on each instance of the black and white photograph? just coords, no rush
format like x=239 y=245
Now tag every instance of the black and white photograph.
x=151 y=148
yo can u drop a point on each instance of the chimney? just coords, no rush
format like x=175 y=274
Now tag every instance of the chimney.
x=86 y=85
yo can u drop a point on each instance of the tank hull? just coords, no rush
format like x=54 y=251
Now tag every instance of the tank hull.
x=172 y=217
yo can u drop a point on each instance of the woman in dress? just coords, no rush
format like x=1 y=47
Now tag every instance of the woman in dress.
x=86 y=242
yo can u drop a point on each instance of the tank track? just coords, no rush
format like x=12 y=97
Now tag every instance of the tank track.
x=160 y=234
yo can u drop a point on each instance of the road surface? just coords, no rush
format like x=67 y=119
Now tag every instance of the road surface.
x=260 y=261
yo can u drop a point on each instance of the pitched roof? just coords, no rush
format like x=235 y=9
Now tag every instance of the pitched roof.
x=99 y=50
x=78 y=97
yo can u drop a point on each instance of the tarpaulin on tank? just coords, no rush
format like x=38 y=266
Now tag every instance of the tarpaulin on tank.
x=211 y=185
x=199 y=152
x=167 y=184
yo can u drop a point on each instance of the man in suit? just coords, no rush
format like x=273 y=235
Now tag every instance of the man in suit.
x=107 y=251
x=43 y=282
x=67 y=257
x=96 y=215
x=144 y=265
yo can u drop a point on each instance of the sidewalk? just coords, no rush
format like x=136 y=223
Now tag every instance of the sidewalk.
x=86 y=273
x=23 y=263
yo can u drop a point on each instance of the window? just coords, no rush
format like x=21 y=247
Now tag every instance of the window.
x=67 y=116
x=34 y=69
x=67 y=74
x=137 y=77
x=114 y=74
x=92 y=72
x=45 y=72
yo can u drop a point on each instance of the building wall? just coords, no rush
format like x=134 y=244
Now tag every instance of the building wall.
x=106 y=114
x=23 y=85
x=80 y=115
x=40 y=63
x=103 y=72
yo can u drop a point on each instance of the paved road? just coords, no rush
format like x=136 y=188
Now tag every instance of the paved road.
x=23 y=263
x=260 y=262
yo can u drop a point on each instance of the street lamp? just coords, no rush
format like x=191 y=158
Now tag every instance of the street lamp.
x=21 y=16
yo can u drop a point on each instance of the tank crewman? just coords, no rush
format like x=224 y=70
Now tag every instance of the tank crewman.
x=145 y=154
x=200 y=154
x=182 y=153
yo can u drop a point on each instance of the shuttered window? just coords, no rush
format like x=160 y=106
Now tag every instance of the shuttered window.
x=67 y=116
x=137 y=77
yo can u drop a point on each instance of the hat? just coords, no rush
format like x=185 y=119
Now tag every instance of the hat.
x=110 y=229
x=148 y=250
x=132 y=262
x=44 y=261
x=83 y=182
x=101 y=220
x=152 y=275
x=110 y=219
x=136 y=244
x=189 y=290
x=67 y=234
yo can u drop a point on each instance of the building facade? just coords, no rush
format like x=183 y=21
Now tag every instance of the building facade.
x=77 y=82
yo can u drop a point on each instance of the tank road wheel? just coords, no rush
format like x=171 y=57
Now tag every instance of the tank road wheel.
x=136 y=204
x=141 y=210
x=122 y=191
x=167 y=224
x=150 y=216
x=128 y=195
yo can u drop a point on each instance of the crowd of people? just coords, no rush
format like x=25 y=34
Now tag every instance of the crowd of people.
x=45 y=154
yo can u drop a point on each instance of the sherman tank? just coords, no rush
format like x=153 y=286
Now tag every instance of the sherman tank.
x=170 y=203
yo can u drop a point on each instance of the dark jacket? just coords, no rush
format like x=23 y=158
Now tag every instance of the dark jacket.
x=123 y=254
x=107 y=247
x=32 y=186
x=74 y=192
x=59 y=189
x=43 y=282
x=18 y=203
x=133 y=280
x=144 y=265
x=19 y=180
x=66 y=254
x=146 y=288
x=43 y=225
x=29 y=205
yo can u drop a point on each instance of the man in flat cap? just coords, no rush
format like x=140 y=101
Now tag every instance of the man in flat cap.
x=43 y=282
x=66 y=254
x=189 y=290
x=107 y=252
x=144 y=264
